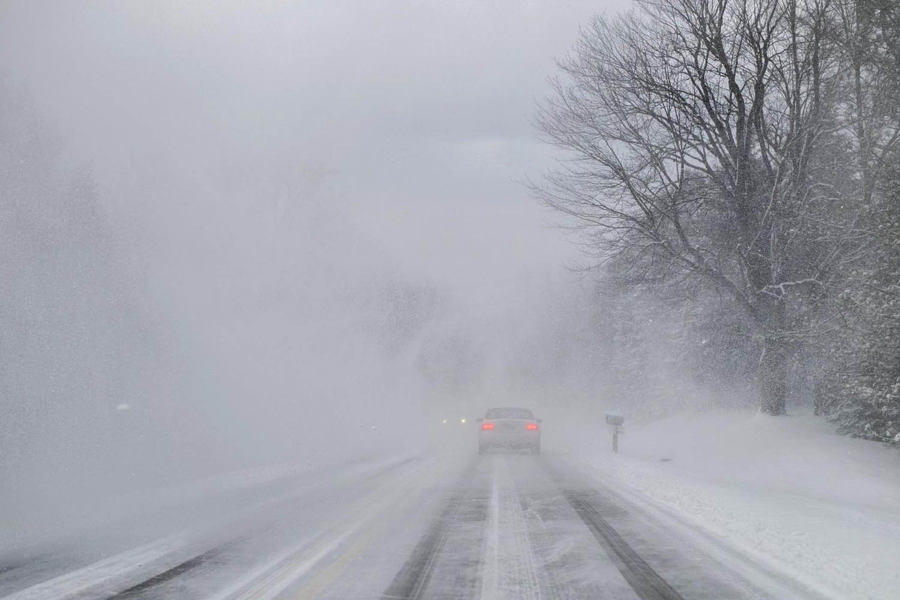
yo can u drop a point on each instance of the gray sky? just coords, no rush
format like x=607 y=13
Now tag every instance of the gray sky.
x=412 y=118
x=275 y=171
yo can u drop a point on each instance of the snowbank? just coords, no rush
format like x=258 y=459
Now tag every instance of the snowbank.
x=787 y=491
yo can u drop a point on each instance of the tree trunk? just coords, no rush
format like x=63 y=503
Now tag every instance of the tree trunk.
x=773 y=374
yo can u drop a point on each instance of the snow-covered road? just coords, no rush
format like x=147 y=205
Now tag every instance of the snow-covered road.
x=500 y=526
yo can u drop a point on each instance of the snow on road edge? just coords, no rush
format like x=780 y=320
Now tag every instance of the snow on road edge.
x=118 y=572
x=795 y=517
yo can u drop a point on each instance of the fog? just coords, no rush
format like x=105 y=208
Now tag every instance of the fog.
x=303 y=234
x=266 y=265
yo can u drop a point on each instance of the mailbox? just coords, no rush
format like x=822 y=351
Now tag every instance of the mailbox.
x=615 y=422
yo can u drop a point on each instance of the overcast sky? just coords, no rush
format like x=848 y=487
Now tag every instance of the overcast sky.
x=414 y=118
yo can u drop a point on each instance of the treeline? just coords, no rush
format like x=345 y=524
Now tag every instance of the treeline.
x=75 y=349
x=739 y=160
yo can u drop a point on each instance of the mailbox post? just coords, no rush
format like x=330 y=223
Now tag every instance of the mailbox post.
x=615 y=422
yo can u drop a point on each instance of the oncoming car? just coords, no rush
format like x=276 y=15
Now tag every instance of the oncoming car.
x=514 y=428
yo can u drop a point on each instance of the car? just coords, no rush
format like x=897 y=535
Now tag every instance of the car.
x=508 y=427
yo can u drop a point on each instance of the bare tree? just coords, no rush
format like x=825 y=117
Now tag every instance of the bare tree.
x=702 y=137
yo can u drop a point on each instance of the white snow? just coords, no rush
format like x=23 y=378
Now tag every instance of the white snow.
x=112 y=574
x=122 y=570
x=799 y=499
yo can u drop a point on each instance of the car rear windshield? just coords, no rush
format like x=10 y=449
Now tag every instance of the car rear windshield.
x=509 y=413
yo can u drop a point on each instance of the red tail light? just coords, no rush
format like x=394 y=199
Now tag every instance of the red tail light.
x=487 y=426
x=531 y=426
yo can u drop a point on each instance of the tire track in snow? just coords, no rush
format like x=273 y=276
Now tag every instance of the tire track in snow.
x=640 y=576
x=107 y=577
x=685 y=554
x=442 y=564
x=479 y=546
x=166 y=576
x=412 y=580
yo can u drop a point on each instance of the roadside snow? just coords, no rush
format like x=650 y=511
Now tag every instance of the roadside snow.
x=821 y=508
x=211 y=526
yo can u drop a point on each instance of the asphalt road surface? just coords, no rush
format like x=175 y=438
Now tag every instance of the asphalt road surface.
x=500 y=526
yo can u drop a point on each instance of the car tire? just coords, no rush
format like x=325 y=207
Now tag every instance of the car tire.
x=536 y=449
x=482 y=449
